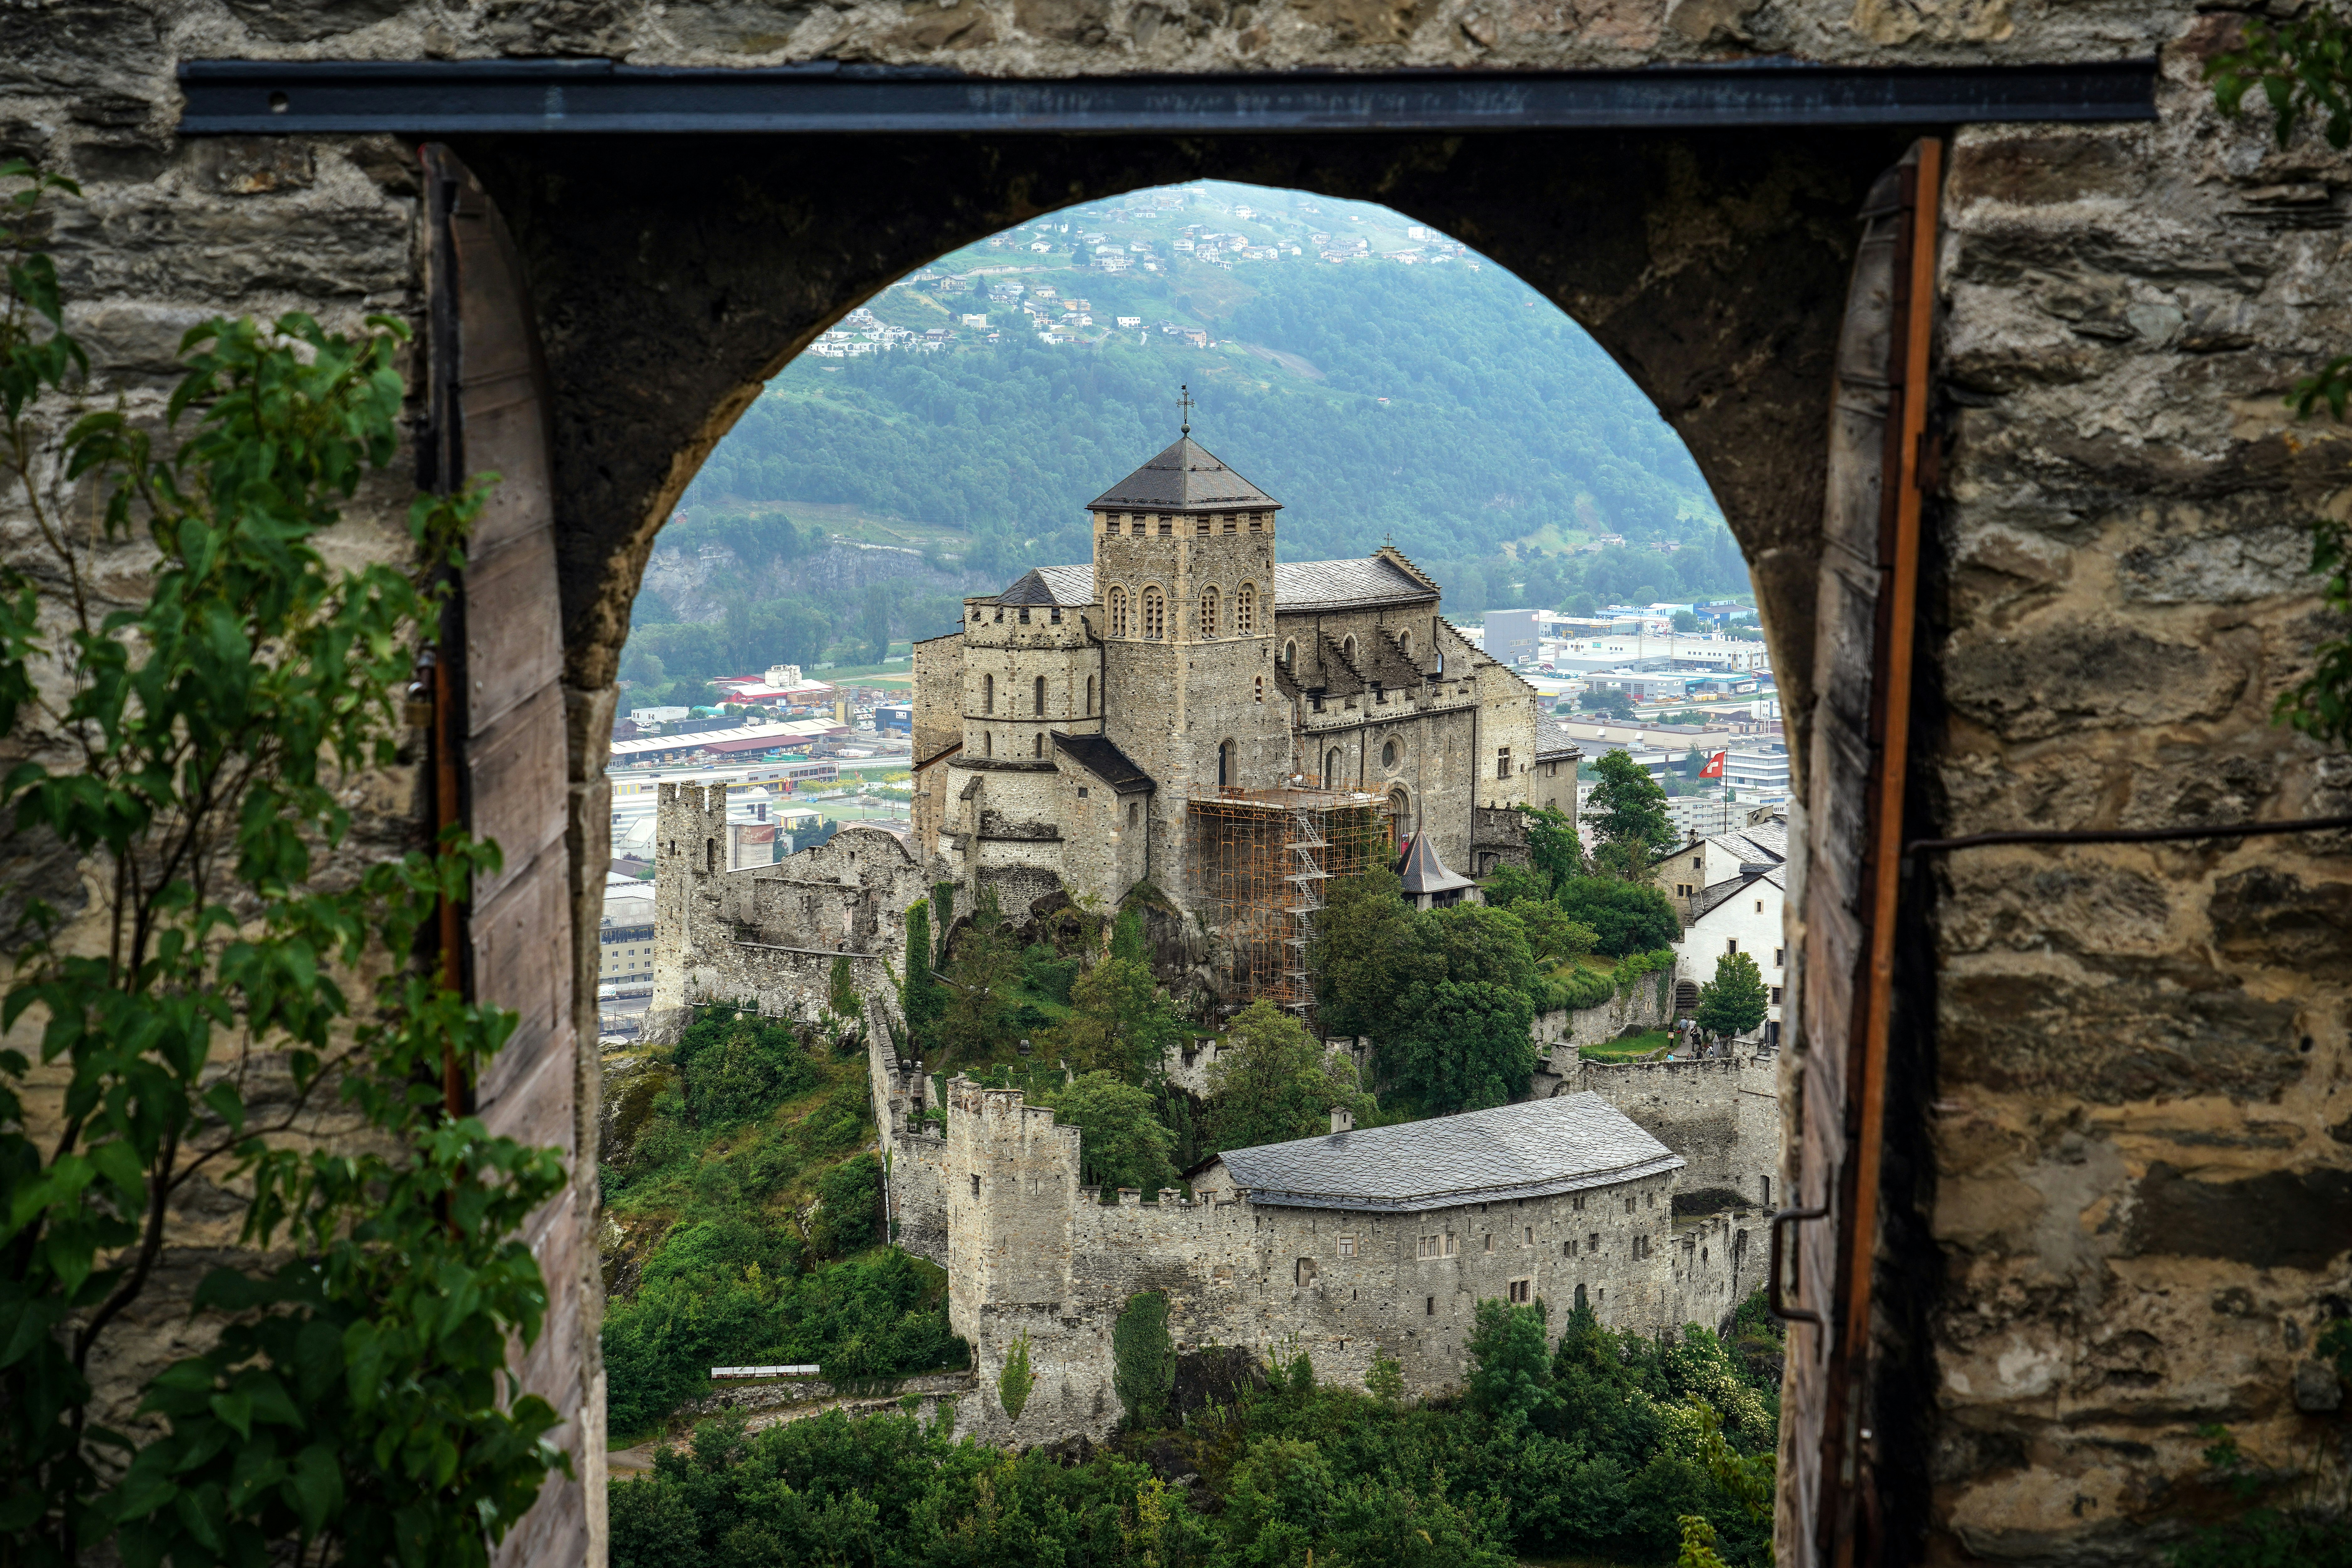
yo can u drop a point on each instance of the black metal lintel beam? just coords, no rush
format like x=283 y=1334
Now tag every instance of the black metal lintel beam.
x=440 y=98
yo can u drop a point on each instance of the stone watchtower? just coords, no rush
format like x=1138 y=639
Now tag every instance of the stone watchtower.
x=1185 y=572
x=689 y=849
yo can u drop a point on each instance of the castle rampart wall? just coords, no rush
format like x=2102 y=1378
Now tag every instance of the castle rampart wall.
x=1720 y=1113
x=1031 y=1253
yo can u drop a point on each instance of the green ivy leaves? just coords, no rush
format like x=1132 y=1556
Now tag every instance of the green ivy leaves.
x=357 y=1402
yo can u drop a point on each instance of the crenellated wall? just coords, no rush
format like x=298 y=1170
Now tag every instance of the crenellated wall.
x=1032 y=1254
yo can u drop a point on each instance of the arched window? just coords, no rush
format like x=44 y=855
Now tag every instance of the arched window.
x=1040 y=709
x=1331 y=762
x=1209 y=612
x=988 y=742
x=1404 y=641
x=987 y=694
x=1261 y=688
x=1348 y=651
x=1090 y=694
x=1246 y=608
x=1399 y=815
x=1227 y=764
x=1118 y=611
x=1155 y=614
x=1290 y=658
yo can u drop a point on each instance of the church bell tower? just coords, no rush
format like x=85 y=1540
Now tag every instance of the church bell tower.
x=1184 y=573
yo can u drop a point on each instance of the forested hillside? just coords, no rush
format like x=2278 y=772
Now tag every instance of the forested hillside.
x=1440 y=401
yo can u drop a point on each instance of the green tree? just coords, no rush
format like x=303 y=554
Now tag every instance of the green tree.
x=1457 y=1039
x=1273 y=1082
x=1628 y=812
x=851 y=1195
x=1733 y=1003
x=920 y=995
x=1014 y=1381
x=1613 y=704
x=984 y=988
x=1510 y=1362
x=1507 y=884
x=353 y=1399
x=1553 y=849
x=1362 y=940
x=1123 y=1142
x=1553 y=936
x=1385 y=1381
x=1624 y=917
x=1120 y=1021
x=1143 y=1359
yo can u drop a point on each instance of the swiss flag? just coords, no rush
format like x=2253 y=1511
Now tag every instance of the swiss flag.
x=1714 y=768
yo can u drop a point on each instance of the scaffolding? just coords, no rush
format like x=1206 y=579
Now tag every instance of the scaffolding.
x=1266 y=857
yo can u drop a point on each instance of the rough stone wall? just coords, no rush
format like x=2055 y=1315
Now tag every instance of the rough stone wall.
x=1647 y=1003
x=768 y=933
x=1434 y=727
x=1032 y=1253
x=1102 y=854
x=2132 y=1133
x=1720 y=1114
x=919 y=1193
x=2111 y=1099
x=938 y=725
x=1004 y=654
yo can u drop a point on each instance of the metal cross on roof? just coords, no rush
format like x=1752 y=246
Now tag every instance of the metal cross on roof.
x=1184 y=401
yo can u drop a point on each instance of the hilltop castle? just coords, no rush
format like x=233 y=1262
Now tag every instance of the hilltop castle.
x=1187 y=711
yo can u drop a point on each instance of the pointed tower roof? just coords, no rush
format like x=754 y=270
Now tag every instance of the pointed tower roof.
x=1183 y=478
x=1425 y=873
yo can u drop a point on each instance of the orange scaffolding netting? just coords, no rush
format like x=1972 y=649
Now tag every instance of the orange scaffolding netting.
x=1265 y=857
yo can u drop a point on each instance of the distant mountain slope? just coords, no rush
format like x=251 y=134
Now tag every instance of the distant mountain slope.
x=1448 y=406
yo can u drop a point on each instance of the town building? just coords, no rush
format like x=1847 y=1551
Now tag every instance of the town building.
x=1731 y=891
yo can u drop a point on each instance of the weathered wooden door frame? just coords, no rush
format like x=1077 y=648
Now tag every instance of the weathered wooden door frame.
x=1845 y=916
x=504 y=768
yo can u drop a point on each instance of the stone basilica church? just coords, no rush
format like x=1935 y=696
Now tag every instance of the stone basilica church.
x=1098 y=725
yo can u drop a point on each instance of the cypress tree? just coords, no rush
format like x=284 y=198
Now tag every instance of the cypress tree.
x=920 y=994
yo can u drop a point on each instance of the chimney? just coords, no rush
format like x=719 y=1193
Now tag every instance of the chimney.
x=1342 y=1119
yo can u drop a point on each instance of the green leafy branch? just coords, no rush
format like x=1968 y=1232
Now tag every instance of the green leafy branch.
x=198 y=694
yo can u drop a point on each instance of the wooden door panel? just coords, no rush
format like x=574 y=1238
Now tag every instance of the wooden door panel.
x=1834 y=1071
x=524 y=950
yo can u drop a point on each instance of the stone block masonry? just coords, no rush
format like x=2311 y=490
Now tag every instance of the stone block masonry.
x=1033 y=1255
x=1721 y=1114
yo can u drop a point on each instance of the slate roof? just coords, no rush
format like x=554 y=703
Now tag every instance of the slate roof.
x=1554 y=744
x=1067 y=586
x=1099 y=756
x=1305 y=586
x=1424 y=872
x=1717 y=894
x=1531 y=1150
x=1301 y=585
x=1184 y=477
